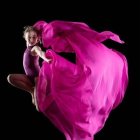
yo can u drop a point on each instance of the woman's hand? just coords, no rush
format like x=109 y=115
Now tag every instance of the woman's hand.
x=48 y=60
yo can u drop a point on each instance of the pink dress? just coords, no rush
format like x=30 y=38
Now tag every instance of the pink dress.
x=78 y=98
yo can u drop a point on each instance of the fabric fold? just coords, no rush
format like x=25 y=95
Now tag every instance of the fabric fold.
x=78 y=98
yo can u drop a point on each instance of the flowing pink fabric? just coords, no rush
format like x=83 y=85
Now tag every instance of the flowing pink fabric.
x=78 y=98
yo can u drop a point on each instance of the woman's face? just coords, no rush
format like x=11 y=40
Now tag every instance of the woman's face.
x=31 y=38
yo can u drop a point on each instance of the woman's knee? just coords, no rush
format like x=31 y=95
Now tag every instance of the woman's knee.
x=9 y=77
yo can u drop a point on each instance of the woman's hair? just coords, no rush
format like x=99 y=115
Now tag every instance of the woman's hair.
x=30 y=28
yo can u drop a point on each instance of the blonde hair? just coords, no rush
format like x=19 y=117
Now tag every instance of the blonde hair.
x=30 y=28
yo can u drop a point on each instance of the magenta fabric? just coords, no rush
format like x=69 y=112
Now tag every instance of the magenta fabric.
x=78 y=98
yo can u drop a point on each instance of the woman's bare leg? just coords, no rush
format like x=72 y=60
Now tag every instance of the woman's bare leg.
x=34 y=95
x=21 y=81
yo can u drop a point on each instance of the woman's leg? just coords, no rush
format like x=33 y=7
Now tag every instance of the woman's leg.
x=21 y=81
x=34 y=100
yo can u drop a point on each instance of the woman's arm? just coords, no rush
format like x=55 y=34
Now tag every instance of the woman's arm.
x=36 y=50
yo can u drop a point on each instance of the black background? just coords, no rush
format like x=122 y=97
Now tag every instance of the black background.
x=19 y=117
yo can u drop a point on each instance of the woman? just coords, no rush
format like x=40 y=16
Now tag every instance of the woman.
x=30 y=62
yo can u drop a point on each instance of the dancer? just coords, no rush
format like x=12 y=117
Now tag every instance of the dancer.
x=30 y=62
x=78 y=97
